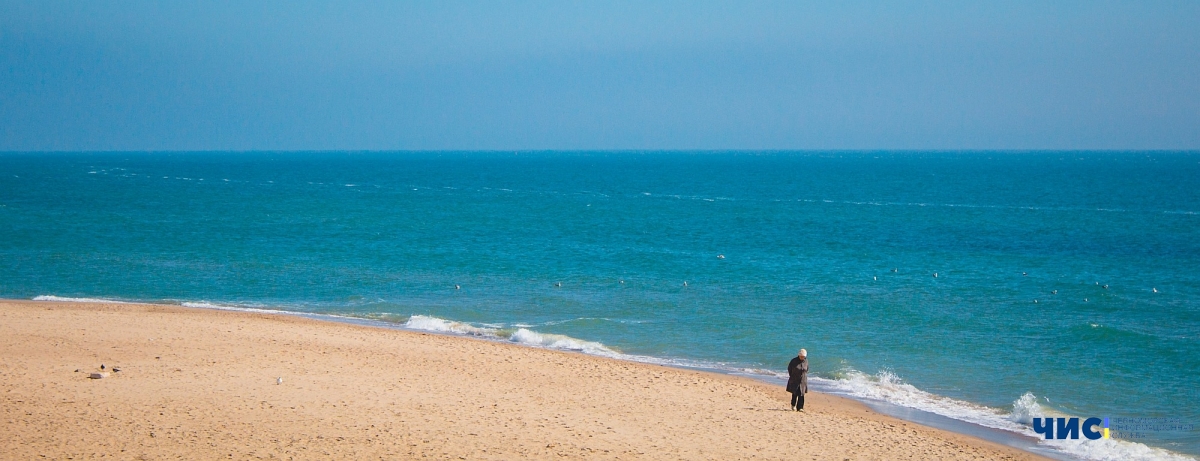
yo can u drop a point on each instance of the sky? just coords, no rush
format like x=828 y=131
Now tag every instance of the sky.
x=567 y=75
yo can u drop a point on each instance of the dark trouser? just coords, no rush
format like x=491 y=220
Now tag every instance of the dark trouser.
x=798 y=400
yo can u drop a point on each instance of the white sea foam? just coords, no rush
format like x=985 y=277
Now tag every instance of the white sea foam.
x=886 y=387
x=1025 y=409
x=79 y=300
x=242 y=308
x=522 y=335
x=525 y=336
x=577 y=319
x=552 y=341
x=421 y=322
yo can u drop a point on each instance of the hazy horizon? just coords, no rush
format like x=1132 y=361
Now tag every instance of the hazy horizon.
x=533 y=76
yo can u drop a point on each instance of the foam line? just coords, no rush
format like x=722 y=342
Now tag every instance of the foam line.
x=80 y=300
x=886 y=387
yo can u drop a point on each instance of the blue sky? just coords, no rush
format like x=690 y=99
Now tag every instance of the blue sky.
x=599 y=75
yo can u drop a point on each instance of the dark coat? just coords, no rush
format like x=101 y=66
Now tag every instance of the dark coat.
x=798 y=376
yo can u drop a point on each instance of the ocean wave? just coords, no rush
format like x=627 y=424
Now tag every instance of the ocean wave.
x=81 y=300
x=236 y=307
x=522 y=335
x=887 y=387
x=579 y=319
x=434 y=324
x=552 y=341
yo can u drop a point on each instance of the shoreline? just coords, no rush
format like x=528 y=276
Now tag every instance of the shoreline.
x=912 y=415
x=338 y=374
x=820 y=385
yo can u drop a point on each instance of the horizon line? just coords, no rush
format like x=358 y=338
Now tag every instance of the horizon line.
x=630 y=151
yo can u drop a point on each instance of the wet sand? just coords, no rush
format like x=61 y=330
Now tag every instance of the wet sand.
x=203 y=384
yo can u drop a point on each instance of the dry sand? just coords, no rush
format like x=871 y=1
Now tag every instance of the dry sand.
x=201 y=384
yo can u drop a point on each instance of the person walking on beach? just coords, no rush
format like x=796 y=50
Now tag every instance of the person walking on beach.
x=798 y=379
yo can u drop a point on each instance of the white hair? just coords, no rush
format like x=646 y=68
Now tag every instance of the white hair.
x=803 y=353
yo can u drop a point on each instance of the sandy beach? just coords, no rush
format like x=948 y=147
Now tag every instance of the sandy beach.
x=204 y=384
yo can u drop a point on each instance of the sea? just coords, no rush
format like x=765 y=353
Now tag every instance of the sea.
x=976 y=290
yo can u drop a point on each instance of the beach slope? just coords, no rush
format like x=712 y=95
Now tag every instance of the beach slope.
x=205 y=384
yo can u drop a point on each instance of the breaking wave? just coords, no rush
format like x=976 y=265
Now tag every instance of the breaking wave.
x=887 y=387
x=519 y=335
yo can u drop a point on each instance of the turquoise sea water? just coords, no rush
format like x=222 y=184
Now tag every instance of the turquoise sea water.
x=1067 y=282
